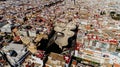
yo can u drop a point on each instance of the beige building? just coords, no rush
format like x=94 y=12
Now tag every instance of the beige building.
x=55 y=60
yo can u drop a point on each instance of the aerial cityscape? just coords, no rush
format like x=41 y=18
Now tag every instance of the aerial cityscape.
x=59 y=33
